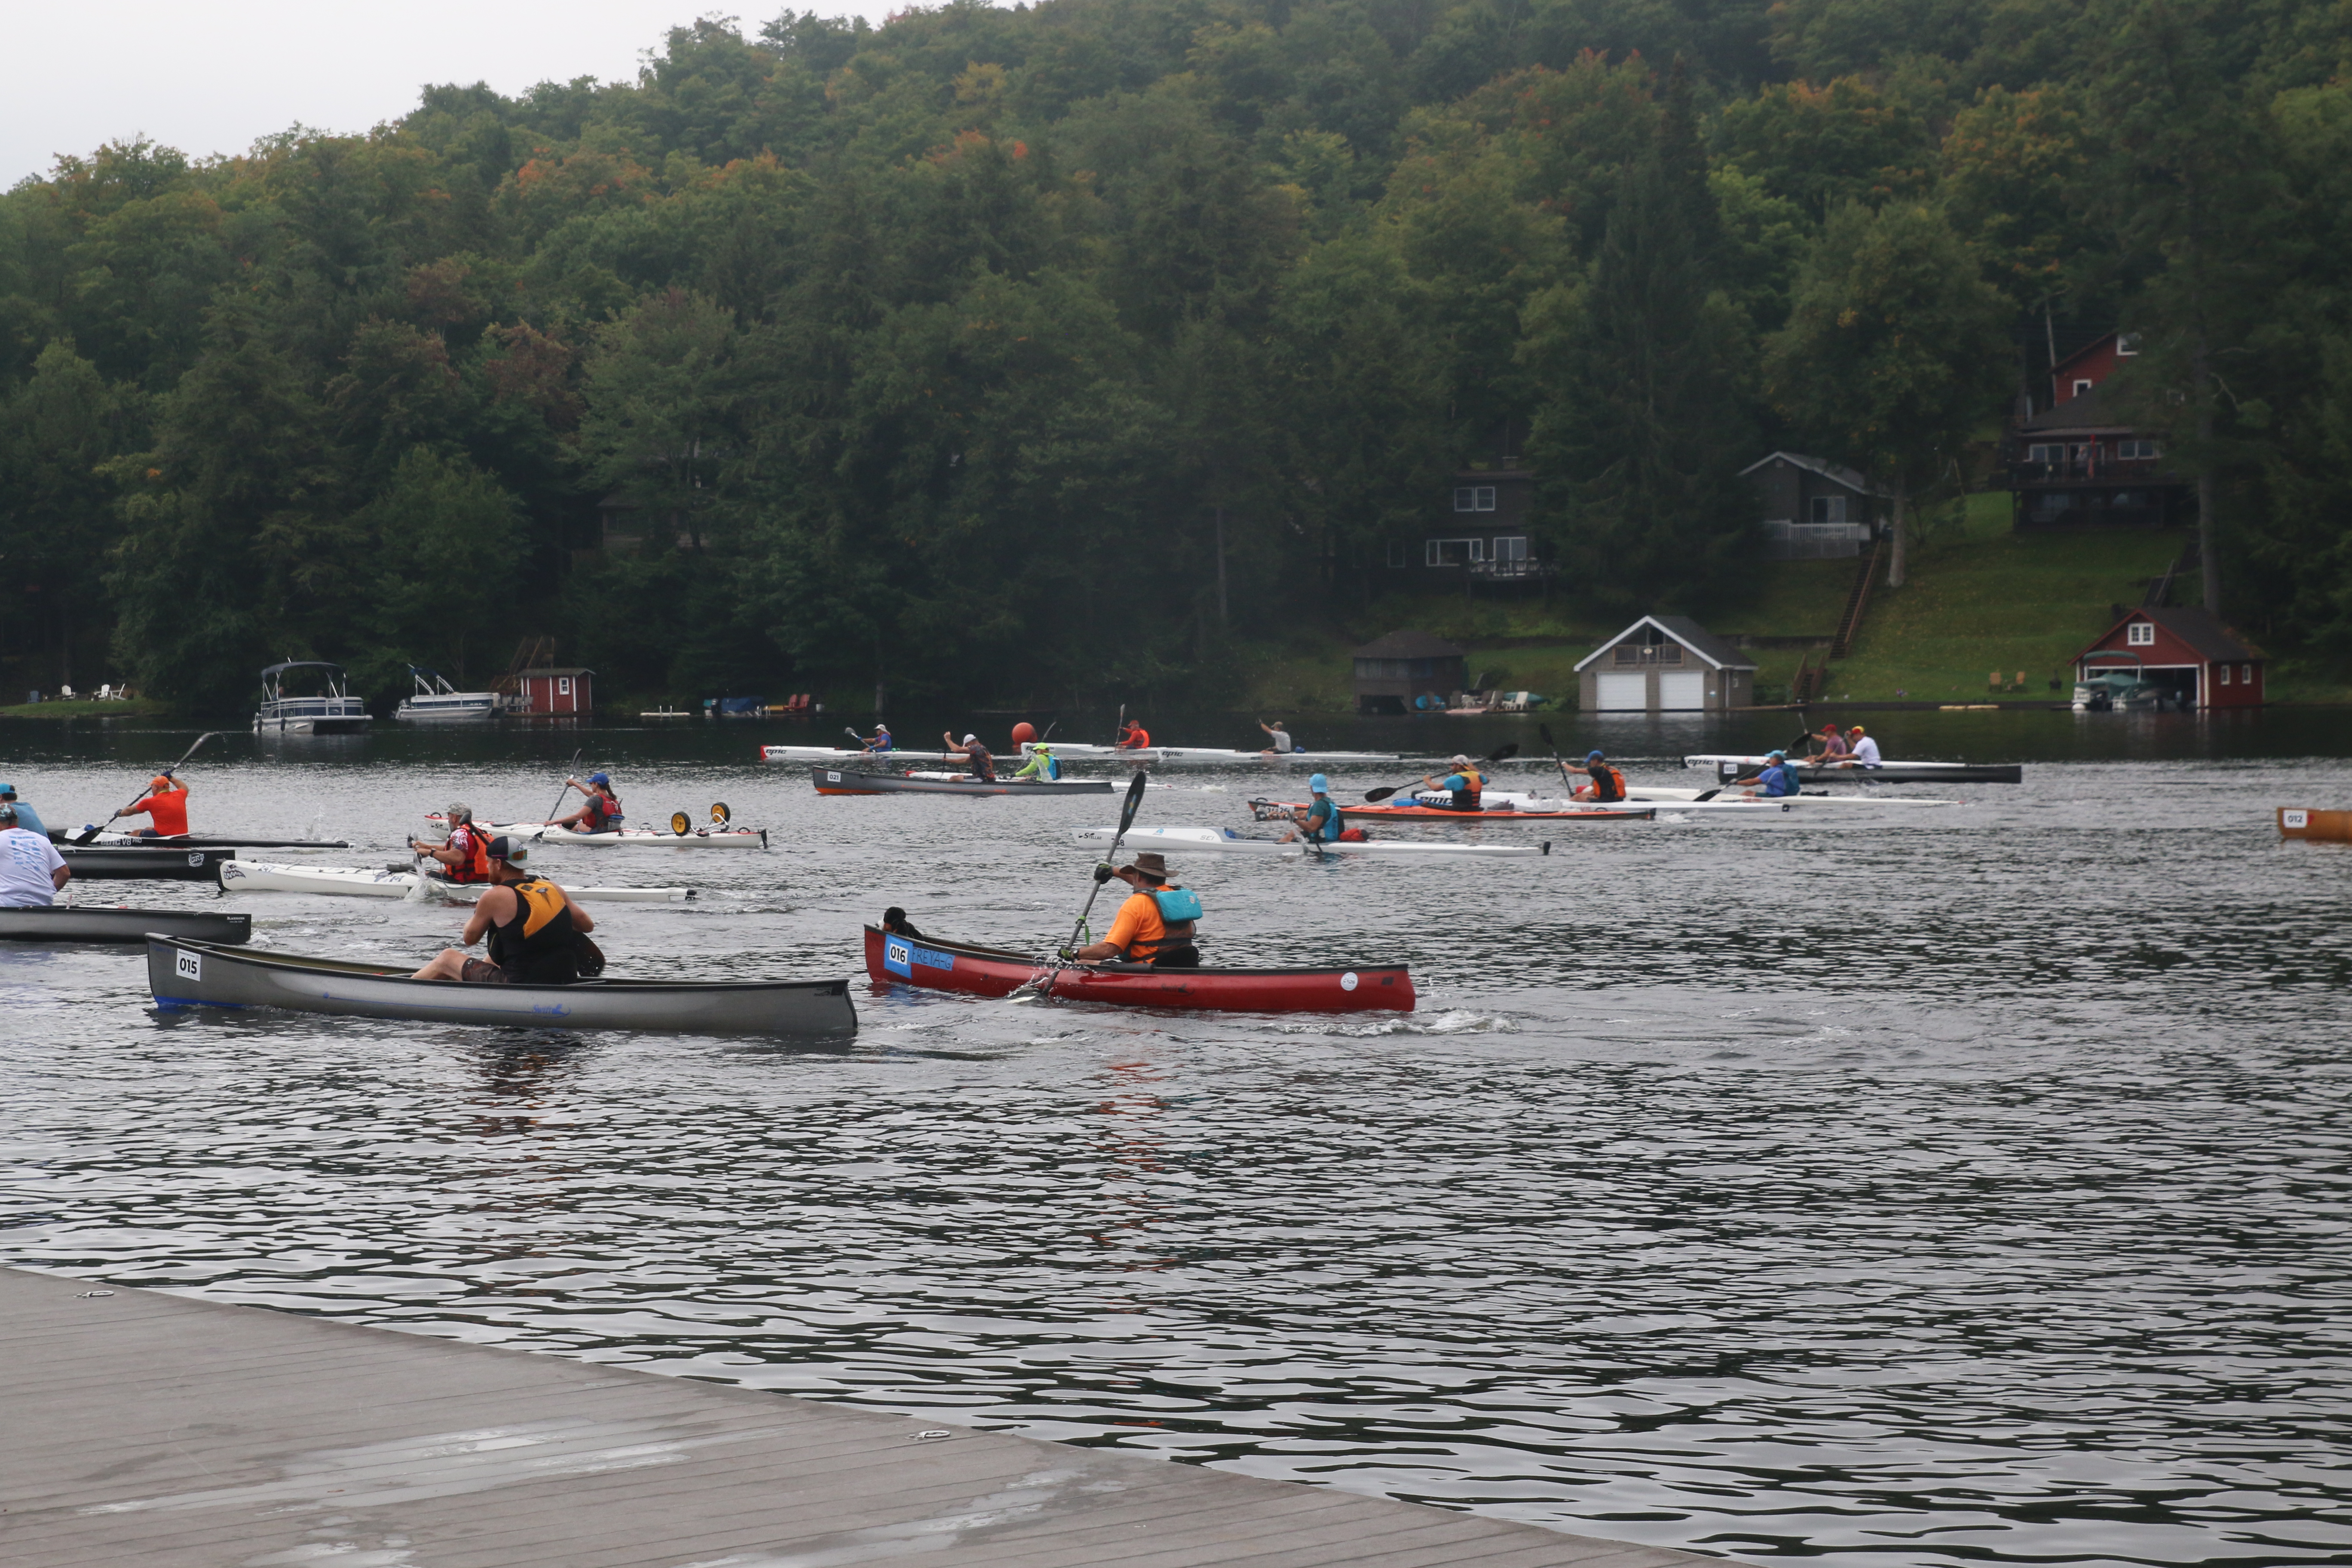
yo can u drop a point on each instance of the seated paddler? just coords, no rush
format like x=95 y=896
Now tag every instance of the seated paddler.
x=1155 y=925
x=1608 y=784
x=1042 y=765
x=536 y=931
x=465 y=855
x=1774 y=781
x=601 y=815
x=1463 y=786
x=1316 y=822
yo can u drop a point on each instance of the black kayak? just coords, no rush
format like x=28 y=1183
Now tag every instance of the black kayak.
x=58 y=923
x=64 y=839
x=116 y=862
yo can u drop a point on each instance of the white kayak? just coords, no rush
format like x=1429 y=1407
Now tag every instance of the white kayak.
x=848 y=753
x=1200 y=757
x=712 y=838
x=352 y=882
x=1686 y=799
x=1711 y=759
x=1224 y=840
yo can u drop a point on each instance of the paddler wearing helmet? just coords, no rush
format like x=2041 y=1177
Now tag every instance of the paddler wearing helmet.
x=1608 y=784
x=1465 y=783
x=1042 y=765
x=165 y=807
x=1774 y=781
x=602 y=813
x=465 y=855
x=975 y=755
x=537 y=933
x=1318 y=820
x=1156 y=923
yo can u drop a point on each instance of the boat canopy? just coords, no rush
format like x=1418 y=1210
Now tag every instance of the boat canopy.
x=301 y=664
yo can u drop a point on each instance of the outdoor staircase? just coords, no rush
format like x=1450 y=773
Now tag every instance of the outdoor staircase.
x=1857 y=603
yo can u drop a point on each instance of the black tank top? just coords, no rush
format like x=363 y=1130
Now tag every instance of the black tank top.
x=538 y=946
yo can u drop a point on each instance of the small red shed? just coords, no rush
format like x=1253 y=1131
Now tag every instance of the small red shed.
x=2200 y=662
x=555 y=691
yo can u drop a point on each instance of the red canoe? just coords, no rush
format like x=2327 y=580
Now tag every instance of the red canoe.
x=989 y=972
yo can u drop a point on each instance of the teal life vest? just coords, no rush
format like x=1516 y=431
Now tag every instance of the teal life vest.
x=1177 y=905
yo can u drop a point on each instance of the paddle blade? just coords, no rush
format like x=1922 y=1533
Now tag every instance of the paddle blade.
x=1134 y=803
x=1374 y=796
x=1710 y=794
x=1545 y=731
x=1505 y=754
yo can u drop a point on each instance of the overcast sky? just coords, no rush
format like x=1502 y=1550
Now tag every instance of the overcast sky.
x=210 y=76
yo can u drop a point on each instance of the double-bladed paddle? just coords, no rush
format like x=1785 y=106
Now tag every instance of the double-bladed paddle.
x=1134 y=803
x=1374 y=796
x=90 y=833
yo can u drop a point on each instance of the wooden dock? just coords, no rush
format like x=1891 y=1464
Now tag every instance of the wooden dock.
x=144 y=1427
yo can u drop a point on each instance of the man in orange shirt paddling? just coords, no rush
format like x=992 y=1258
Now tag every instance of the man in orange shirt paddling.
x=166 y=807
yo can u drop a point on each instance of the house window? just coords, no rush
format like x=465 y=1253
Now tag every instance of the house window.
x=2245 y=675
x=2225 y=675
x=1396 y=553
x=1452 y=551
x=2045 y=454
x=1829 y=509
x=1513 y=548
x=2129 y=450
x=1475 y=498
x=2080 y=387
x=2126 y=345
x=2140 y=634
x=563 y=686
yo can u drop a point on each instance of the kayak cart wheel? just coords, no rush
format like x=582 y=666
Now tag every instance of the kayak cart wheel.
x=679 y=823
x=719 y=814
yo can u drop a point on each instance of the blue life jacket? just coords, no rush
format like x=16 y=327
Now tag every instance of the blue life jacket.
x=1322 y=820
x=1177 y=904
x=1778 y=780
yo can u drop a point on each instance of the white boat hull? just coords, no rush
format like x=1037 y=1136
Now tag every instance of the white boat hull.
x=354 y=882
x=1225 y=841
x=463 y=708
x=538 y=833
x=1203 y=756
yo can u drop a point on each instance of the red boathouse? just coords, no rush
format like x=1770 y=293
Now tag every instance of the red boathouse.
x=2199 y=662
x=560 y=692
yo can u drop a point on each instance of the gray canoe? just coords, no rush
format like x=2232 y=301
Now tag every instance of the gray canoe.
x=116 y=862
x=849 y=780
x=199 y=975
x=58 y=923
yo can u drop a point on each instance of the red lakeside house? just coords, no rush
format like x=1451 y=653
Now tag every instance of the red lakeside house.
x=2199 y=662
x=555 y=692
x=2080 y=462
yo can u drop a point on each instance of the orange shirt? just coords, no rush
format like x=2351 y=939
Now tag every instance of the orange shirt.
x=1138 y=921
x=168 y=809
x=1139 y=736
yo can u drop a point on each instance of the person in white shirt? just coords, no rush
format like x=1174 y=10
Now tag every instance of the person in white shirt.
x=1281 y=745
x=1865 y=750
x=32 y=872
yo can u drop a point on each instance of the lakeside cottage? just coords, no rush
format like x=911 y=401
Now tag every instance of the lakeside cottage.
x=1394 y=670
x=1813 y=510
x=2191 y=655
x=1664 y=664
x=560 y=692
x=2080 y=461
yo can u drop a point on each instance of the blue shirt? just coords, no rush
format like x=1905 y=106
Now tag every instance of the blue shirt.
x=1322 y=820
x=1778 y=780
x=29 y=819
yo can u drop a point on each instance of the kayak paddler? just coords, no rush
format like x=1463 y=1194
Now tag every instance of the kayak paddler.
x=535 y=928
x=1608 y=784
x=1775 y=781
x=1318 y=820
x=1833 y=746
x=465 y=855
x=26 y=817
x=1133 y=736
x=1278 y=741
x=1041 y=765
x=975 y=755
x=165 y=808
x=1156 y=923
x=32 y=872
x=1865 y=749
x=1465 y=783
x=603 y=812
x=879 y=741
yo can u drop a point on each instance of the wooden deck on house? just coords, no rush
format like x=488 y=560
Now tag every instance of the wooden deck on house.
x=146 y=1427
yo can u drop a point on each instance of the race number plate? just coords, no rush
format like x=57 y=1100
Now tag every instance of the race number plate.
x=190 y=966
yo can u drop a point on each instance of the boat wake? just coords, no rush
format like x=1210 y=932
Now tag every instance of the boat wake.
x=1455 y=1021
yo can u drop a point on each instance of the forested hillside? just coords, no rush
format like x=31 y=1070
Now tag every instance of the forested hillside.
x=1048 y=349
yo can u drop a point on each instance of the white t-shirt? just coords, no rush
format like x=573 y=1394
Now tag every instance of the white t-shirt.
x=1865 y=753
x=26 y=859
x=1279 y=741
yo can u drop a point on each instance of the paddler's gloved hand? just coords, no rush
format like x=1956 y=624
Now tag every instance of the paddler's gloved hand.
x=1067 y=953
x=1102 y=871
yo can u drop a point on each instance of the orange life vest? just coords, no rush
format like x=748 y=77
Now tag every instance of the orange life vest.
x=476 y=866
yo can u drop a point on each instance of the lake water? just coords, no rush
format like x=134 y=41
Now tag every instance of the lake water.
x=1962 y=1186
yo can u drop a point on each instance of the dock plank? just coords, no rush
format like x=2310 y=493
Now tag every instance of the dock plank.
x=146 y=1426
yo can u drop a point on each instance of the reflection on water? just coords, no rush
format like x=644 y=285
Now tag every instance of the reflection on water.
x=1883 y=1191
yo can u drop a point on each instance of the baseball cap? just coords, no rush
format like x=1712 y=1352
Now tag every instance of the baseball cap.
x=1319 y=784
x=600 y=778
x=1593 y=757
x=510 y=849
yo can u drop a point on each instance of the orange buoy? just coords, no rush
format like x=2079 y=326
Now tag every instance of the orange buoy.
x=1023 y=732
x=2301 y=822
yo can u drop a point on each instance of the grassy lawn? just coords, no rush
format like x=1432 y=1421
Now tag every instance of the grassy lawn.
x=136 y=708
x=1981 y=597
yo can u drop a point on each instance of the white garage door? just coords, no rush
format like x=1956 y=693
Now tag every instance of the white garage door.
x=1623 y=693
x=1682 y=690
